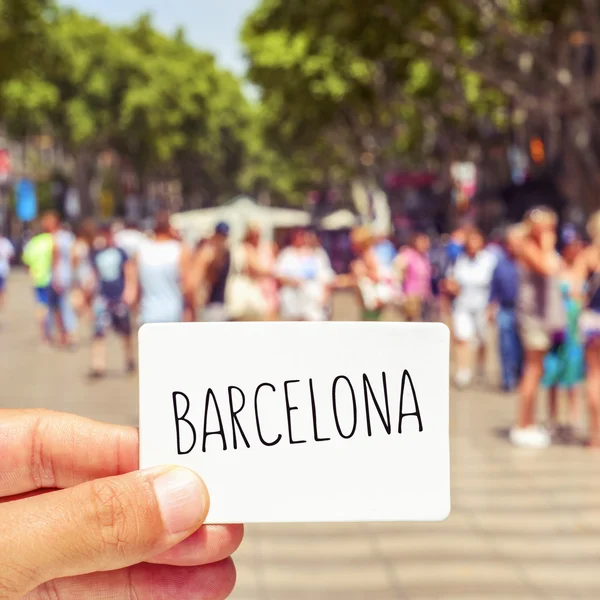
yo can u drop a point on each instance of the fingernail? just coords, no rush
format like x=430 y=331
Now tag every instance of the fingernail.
x=182 y=499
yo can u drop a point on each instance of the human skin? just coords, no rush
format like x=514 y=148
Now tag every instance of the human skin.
x=78 y=520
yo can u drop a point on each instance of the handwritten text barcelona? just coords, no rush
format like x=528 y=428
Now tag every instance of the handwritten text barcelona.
x=376 y=413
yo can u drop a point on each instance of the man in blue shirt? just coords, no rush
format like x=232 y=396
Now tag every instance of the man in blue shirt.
x=110 y=263
x=503 y=300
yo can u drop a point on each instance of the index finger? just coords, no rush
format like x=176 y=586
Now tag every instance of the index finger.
x=45 y=449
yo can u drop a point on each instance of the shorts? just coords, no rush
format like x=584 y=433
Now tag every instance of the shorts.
x=56 y=299
x=412 y=307
x=42 y=295
x=469 y=325
x=2 y=283
x=417 y=309
x=59 y=302
x=534 y=336
x=589 y=325
x=111 y=313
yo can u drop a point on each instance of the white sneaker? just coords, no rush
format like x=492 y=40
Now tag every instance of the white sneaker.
x=518 y=437
x=530 y=437
x=541 y=437
x=463 y=378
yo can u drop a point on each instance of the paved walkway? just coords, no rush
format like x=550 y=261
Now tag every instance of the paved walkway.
x=524 y=524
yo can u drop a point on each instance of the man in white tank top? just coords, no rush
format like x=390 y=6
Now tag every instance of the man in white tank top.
x=159 y=279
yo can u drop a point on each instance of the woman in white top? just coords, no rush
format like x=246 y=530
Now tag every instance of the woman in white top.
x=373 y=286
x=160 y=275
x=255 y=260
x=469 y=282
x=540 y=312
x=319 y=290
x=296 y=267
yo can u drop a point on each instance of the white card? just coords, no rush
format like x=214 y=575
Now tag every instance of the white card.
x=302 y=422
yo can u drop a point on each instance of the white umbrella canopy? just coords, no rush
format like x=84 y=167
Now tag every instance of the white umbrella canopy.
x=238 y=214
x=281 y=218
x=340 y=219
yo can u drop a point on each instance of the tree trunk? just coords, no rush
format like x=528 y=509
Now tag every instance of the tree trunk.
x=579 y=177
x=85 y=169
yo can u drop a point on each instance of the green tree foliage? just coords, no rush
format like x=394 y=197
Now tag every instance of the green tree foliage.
x=337 y=75
x=163 y=105
x=346 y=88
x=404 y=80
x=24 y=27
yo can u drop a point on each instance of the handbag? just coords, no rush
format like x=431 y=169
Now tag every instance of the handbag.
x=244 y=298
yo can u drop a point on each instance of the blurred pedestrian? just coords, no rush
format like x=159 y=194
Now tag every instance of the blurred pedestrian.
x=211 y=269
x=588 y=277
x=37 y=257
x=455 y=244
x=292 y=270
x=7 y=253
x=440 y=263
x=373 y=289
x=504 y=293
x=469 y=282
x=158 y=277
x=540 y=315
x=110 y=266
x=82 y=292
x=245 y=296
x=268 y=252
x=61 y=311
x=414 y=268
x=497 y=243
x=318 y=290
x=263 y=256
x=564 y=364
x=385 y=252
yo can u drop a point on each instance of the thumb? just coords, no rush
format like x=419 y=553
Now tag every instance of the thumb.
x=102 y=525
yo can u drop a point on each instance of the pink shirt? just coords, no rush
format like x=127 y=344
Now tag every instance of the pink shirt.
x=417 y=274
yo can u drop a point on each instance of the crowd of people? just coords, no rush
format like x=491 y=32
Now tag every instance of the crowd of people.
x=537 y=282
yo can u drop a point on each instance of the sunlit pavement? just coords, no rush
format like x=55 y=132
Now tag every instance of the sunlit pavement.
x=524 y=524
